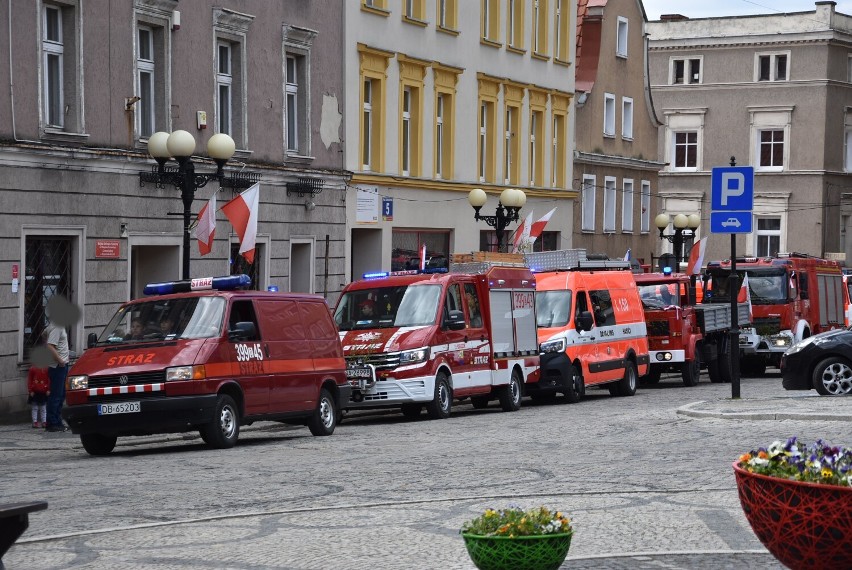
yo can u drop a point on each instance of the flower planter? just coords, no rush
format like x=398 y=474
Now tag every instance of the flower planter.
x=539 y=552
x=803 y=525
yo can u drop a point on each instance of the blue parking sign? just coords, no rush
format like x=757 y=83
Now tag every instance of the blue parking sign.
x=732 y=189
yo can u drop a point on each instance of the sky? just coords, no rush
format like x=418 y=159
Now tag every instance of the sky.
x=716 y=8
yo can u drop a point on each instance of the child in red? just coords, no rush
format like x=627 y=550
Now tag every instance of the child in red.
x=38 y=385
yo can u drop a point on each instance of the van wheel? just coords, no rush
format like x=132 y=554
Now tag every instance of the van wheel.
x=97 y=444
x=441 y=405
x=627 y=385
x=223 y=431
x=510 y=394
x=691 y=372
x=411 y=410
x=324 y=418
x=479 y=402
x=574 y=386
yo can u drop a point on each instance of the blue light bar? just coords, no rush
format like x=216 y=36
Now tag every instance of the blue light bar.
x=227 y=283
x=667 y=270
x=377 y=275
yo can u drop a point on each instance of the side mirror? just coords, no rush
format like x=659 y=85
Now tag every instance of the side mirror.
x=584 y=321
x=243 y=330
x=455 y=321
x=91 y=340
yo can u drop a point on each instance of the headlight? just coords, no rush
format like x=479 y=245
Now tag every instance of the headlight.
x=799 y=346
x=557 y=345
x=414 y=356
x=664 y=356
x=183 y=373
x=78 y=382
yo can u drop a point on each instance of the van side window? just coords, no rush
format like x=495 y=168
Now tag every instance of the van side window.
x=473 y=309
x=242 y=312
x=803 y=285
x=454 y=302
x=602 y=303
x=581 y=305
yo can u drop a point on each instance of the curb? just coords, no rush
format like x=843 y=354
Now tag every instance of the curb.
x=690 y=411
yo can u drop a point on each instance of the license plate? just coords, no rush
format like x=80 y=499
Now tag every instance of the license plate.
x=119 y=408
x=359 y=372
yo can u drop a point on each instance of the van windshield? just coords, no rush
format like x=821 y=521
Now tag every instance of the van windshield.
x=386 y=307
x=157 y=320
x=552 y=308
x=766 y=286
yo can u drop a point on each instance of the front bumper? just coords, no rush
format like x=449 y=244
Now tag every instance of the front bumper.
x=554 y=373
x=663 y=357
x=156 y=415
x=388 y=392
x=795 y=370
x=753 y=343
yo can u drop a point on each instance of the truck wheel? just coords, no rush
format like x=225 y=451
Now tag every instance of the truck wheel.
x=441 y=405
x=411 y=410
x=573 y=385
x=653 y=376
x=627 y=385
x=223 y=431
x=832 y=377
x=479 y=402
x=97 y=444
x=691 y=372
x=324 y=418
x=510 y=394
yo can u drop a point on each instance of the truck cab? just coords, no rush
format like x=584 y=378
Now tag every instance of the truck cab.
x=417 y=339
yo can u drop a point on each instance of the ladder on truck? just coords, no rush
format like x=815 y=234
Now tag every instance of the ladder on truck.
x=570 y=260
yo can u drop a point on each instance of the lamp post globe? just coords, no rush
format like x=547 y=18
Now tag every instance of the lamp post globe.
x=477 y=197
x=181 y=144
x=522 y=198
x=221 y=147
x=680 y=221
x=158 y=145
x=508 y=197
x=661 y=221
x=694 y=221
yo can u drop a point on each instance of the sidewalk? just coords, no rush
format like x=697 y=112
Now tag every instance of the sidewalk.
x=796 y=406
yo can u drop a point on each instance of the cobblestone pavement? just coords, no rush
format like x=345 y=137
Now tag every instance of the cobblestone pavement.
x=647 y=480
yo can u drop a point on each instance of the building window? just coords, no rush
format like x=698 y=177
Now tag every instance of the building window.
x=685 y=71
x=410 y=105
x=849 y=68
x=621 y=37
x=490 y=23
x=376 y=4
x=589 y=196
x=772 y=66
x=515 y=24
x=511 y=148
x=540 y=21
x=54 y=50
x=627 y=207
x=536 y=157
x=627 y=118
x=686 y=150
x=771 y=151
x=448 y=14
x=297 y=76
x=561 y=36
x=444 y=80
x=487 y=136
x=145 y=69
x=645 y=208
x=609 y=205
x=768 y=237
x=224 y=86
x=48 y=273
x=405 y=134
x=406 y=247
x=847 y=147
x=439 y=136
x=239 y=265
x=374 y=65
x=559 y=107
x=609 y=115
x=415 y=10
x=62 y=105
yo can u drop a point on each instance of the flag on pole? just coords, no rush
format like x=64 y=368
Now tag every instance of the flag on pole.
x=538 y=227
x=696 y=257
x=627 y=255
x=423 y=257
x=522 y=234
x=205 y=229
x=744 y=296
x=242 y=212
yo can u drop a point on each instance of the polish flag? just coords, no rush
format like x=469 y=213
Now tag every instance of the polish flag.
x=242 y=212
x=522 y=234
x=538 y=227
x=744 y=296
x=423 y=257
x=696 y=257
x=205 y=229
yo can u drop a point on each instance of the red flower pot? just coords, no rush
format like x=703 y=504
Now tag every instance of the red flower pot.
x=803 y=525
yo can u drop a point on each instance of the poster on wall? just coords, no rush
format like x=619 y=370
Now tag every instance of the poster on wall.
x=367 y=207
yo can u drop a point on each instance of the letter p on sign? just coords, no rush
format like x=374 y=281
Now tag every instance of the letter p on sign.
x=733 y=185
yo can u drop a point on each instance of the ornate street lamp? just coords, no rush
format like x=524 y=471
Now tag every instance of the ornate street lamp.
x=684 y=228
x=511 y=202
x=180 y=145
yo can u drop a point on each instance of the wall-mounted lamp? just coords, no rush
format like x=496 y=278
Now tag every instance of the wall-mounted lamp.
x=310 y=205
x=122 y=230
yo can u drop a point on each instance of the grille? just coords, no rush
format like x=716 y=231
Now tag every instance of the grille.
x=658 y=328
x=382 y=360
x=115 y=380
x=126 y=397
x=767 y=326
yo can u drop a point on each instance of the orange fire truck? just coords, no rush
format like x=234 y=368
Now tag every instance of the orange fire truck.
x=793 y=296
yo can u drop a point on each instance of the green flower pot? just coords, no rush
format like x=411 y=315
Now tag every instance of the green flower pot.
x=539 y=552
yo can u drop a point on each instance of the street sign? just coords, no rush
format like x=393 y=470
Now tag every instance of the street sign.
x=731 y=199
x=387 y=209
x=730 y=222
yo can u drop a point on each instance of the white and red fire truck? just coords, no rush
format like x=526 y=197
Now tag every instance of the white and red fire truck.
x=415 y=340
x=793 y=296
